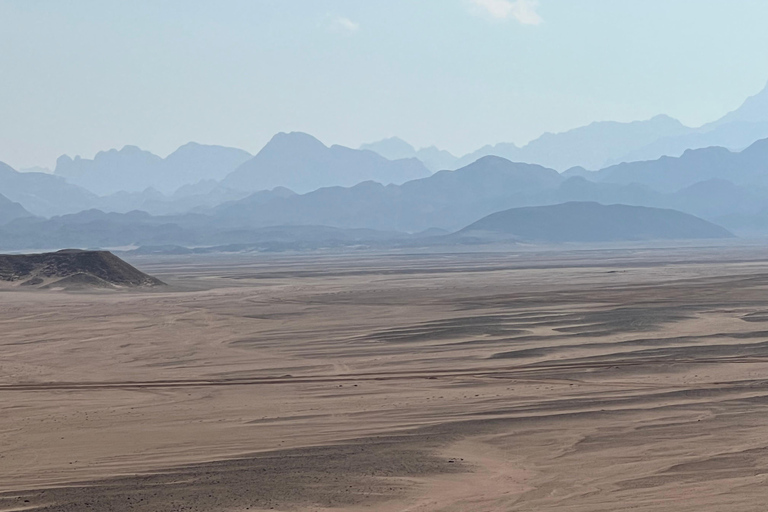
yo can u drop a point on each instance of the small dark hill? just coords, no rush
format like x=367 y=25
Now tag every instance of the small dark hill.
x=72 y=269
x=590 y=222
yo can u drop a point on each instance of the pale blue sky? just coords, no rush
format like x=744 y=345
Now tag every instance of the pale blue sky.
x=84 y=75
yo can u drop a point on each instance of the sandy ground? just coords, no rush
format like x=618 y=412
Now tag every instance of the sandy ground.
x=577 y=381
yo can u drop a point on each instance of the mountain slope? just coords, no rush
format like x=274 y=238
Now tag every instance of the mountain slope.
x=734 y=136
x=302 y=163
x=129 y=169
x=195 y=162
x=395 y=148
x=133 y=170
x=591 y=222
x=735 y=130
x=392 y=148
x=668 y=174
x=753 y=110
x=608 y=143
x=10 y=211
x=43 y=194
x=588 y=146
x=447 y=200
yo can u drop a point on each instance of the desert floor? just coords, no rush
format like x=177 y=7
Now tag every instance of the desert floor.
x=580 y=380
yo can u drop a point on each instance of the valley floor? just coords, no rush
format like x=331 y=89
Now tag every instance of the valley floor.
x=578 y=381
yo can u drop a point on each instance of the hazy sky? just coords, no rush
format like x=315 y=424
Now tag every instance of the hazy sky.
x=79 y=76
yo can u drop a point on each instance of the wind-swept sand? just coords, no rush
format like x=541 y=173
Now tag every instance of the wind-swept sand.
x=576 y=381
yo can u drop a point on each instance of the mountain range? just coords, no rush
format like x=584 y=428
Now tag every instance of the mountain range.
x=446 y=200
x=606 y=143
x=43 y=194
x=589 y=146
x=133 y=170
x=668 y=174
x=206 y=195
x=302 y=163
x=710 y=182
x=293 y=160
x=395 y=148
x=570 y=222
x=212 y=174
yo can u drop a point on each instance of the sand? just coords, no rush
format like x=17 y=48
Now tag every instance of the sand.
x=571 y=380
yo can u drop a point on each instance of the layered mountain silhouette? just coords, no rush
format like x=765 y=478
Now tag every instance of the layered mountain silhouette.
x=395 y=148
x=753 y=110
x=668 y=174
x=193 y=162
x=714 y=183
x=10 y=211
x=589 y=222
x=588 y=146
x=43 y=194
x=602 y=144
x=447 y=200
x=570 y=222
x=302 y=163
x=133 y=170
x=736 y=130
x=225 y=196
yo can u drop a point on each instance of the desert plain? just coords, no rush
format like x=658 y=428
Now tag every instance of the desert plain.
x=578 y=380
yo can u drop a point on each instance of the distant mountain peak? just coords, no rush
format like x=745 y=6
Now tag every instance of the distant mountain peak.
x=127 y=150
x=753 y=110
x=292 y=142
x=392 y=148
x=487 y=160
x=395 y=148
x=132 y=169
x=295 y=138
x=302 y=163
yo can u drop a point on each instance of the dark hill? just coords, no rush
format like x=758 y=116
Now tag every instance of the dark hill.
x=591 y=222
x=72 y=268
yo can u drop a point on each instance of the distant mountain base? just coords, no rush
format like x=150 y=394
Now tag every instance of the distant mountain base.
x=588 y=222
x=71 y=270
x=574 y=222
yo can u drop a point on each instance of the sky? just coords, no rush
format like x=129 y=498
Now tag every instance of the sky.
x=81 y=76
